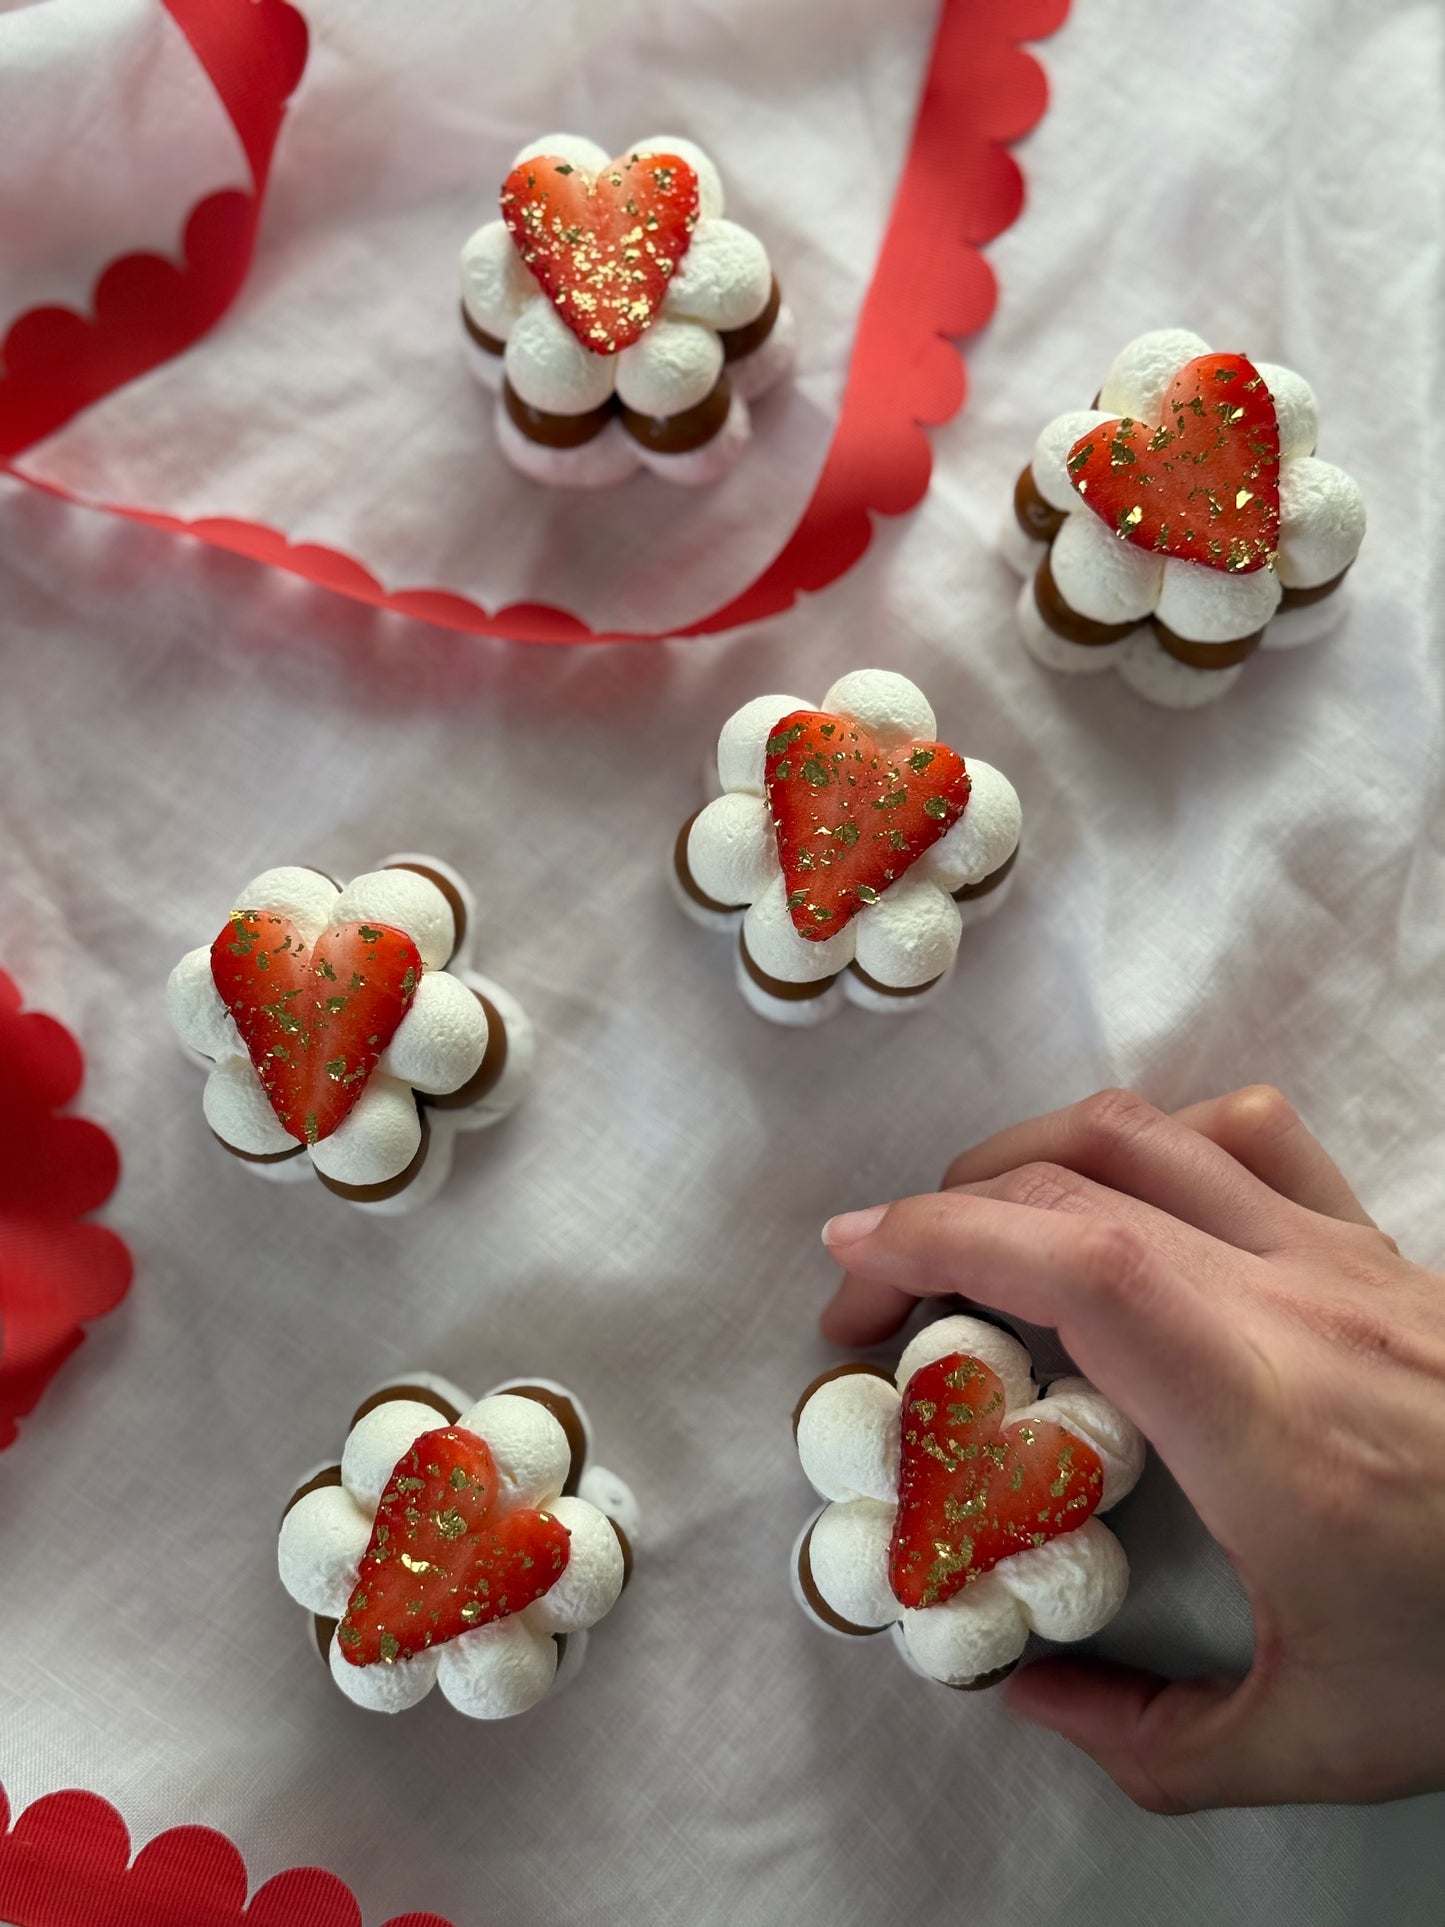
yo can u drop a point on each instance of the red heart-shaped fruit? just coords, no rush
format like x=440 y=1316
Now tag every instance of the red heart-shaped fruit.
x=1202 y=485
x=314 y=1018
x=603 y=246
x=972 y=1490
x=850 y=817
x=441 y=1558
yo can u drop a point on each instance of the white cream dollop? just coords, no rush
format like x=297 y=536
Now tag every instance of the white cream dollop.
x=724 y=279
x=984 y=837
x=849 y=1443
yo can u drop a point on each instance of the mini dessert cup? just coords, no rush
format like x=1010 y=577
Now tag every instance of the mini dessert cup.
x=961 y=1505
x=624 y=323
x=347 y=1037
x=467 y=1545
x=1181 y=523
x=846 y=849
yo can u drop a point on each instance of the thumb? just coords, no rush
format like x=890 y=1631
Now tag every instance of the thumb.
x=1173 y=1747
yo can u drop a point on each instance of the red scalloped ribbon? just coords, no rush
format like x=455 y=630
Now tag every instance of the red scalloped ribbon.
x=56 y=1271
x=960 y=188
x=66 y=1862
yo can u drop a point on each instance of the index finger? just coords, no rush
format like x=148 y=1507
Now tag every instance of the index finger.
x=1144 y=1331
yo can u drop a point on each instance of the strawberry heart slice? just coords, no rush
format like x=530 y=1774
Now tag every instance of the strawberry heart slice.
x=603 y=246
x=850 y=817
x=1203 y=485
x=315 y=1019
x=441 y=1558
x=972 y=1490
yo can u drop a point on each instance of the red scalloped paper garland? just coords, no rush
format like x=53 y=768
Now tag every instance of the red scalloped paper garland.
x=56 y=1272
x=960 y=187
x=66 y=1862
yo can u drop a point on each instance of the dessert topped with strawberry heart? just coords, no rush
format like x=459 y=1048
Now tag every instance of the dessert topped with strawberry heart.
x=462 y=1544
x=962 y=1505
x=349 y=1036
x=625 y=322
x=849 y=848
x=1181 y=522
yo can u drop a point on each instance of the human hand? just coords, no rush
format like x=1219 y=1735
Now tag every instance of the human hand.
x=1215 y=1276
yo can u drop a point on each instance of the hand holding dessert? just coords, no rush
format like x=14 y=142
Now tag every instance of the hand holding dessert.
x=1221 y=1285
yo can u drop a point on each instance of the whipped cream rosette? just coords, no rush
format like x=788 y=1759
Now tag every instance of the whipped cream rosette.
x=963 y=1507
x=848 y=848
x=623 y=320
x=459 y=1544
x=348 y=1037
x=1181 y=523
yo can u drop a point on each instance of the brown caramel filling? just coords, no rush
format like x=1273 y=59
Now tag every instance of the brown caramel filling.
x=1302 y=598
x=738 y=343
x=489 y=343
x=555 y=431
x=854 y=1369
x=680 y=434
x=1038 y=519
x=259 y=1157
x=415 y=1394
x=779 y=987
x=1206 y=655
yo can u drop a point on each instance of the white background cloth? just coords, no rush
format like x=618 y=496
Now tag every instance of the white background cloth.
x=1250 y=892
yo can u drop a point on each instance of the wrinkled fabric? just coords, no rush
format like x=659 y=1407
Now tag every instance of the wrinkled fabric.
x=1253 y=891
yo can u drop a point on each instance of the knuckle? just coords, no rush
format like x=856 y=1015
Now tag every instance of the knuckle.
x=1044 y=1187
x=1115 y=1262
x=1259 y=1114
x=1113 y=1118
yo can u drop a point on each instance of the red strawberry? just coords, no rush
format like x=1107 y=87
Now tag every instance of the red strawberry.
x=971 y=1489
x=850 y=817
x=441 y=1558
x=1203 y=485
x=605 y=246
x=316 y=1020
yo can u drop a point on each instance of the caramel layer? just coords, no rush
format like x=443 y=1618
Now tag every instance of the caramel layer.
x=740 y=342
x=554 y=431
x=680 y=434
x=1038 y=519
x=1302 y=598
x=416 y=1394
x=327 y=1476
x=483 y=340
x=779 y=987
x=259 y=1157
x=1206 y=655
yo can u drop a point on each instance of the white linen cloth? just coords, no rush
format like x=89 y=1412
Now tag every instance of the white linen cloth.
x=1254 y=891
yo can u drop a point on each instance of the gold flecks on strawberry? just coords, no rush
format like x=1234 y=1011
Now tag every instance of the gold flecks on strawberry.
x=851 y=818
x=315 y=1018
x=443 y=1556
x=973 y=1490
x=1201 y=485
x=603 y=246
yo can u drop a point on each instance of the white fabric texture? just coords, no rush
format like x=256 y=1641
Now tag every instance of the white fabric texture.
x=1252 y=892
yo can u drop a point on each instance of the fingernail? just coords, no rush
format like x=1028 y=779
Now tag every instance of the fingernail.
x=853 y=1225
